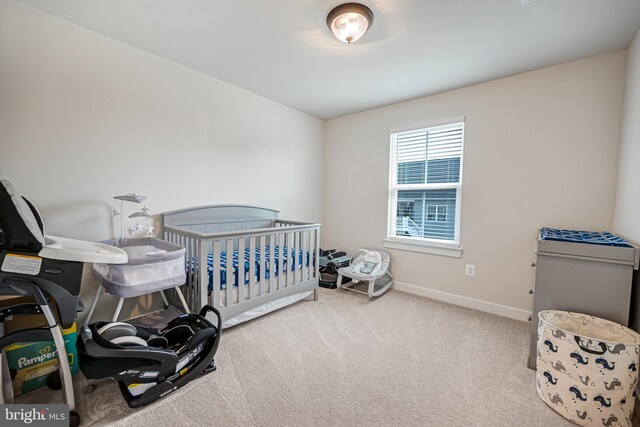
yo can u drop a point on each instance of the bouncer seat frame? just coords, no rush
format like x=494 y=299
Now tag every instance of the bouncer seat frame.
x=379 y=281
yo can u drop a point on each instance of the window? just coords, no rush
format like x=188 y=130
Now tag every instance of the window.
x=425 y=185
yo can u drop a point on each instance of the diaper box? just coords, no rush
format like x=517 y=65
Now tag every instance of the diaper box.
x=32 y=362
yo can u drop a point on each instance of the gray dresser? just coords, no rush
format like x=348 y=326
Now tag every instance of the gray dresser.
x=583 y=274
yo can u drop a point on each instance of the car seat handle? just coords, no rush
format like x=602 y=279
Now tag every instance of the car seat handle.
x=209 y=308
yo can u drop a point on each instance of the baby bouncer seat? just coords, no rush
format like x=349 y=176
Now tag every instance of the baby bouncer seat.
x=368 y=266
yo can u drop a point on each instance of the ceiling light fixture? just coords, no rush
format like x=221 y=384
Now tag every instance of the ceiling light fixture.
x=349 y=21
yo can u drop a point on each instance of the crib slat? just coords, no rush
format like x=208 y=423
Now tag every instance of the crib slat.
x=309 y=262
x=262 y=280
x=317 y=263
x=229 y=283
x=304 y=241
x=290 y=259
x=311 y=255
x=314 y=252
x=195 y=275
x=188 y=285
x=191 y=285
x=293 y=262
x=252 y=266
x=201 y=294
x=197 y=261
x=287 y=260
x=182 y=243
x=241 y=288
x=272 y=270
x=297 y=278
x=286 y=265
x=186 y=288
x=215 y=273
x=283 y=261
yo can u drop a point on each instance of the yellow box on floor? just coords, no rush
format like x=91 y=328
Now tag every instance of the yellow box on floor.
x=34 y=361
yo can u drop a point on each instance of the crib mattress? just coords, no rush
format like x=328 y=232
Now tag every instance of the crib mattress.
x=292 y=259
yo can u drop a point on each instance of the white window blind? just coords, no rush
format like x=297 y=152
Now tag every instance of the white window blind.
x=425 y=183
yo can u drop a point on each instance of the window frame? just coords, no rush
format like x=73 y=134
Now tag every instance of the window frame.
x=424 y=244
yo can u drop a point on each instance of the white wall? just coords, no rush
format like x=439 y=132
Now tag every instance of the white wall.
x=541 y=150
x=627 y=211
x=84 y=117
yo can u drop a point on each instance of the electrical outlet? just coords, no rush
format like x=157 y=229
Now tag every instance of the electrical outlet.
x=470 y=270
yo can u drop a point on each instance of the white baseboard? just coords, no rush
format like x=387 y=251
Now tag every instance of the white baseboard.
x=476 y=304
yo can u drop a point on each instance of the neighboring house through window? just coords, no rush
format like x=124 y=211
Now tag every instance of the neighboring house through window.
x=425 y=184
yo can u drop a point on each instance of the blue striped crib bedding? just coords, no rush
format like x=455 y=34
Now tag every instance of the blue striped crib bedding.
x=292 y=260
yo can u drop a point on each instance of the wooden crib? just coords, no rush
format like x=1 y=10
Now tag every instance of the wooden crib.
x=276 y=259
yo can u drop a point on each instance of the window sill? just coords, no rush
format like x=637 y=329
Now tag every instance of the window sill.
x=453 y=251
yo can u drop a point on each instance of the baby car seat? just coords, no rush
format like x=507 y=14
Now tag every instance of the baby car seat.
x=147 y=363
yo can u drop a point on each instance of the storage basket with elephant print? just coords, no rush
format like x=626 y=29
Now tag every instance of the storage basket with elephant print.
x=587 y=368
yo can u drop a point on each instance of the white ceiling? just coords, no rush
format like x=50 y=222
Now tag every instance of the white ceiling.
x=283 y=50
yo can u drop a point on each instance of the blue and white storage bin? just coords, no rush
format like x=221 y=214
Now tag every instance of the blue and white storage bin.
x=587 y=368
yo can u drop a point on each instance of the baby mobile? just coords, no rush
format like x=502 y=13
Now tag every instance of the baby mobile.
x=142 y=213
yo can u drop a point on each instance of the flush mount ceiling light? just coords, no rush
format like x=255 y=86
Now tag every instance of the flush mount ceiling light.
x=349 y=21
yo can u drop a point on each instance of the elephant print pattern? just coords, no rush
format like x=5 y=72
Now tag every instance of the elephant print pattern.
x=609 y=421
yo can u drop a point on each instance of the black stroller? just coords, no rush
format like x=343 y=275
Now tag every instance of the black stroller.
x=147 y=363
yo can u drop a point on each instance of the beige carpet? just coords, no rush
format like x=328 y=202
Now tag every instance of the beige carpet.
x=347 y=361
